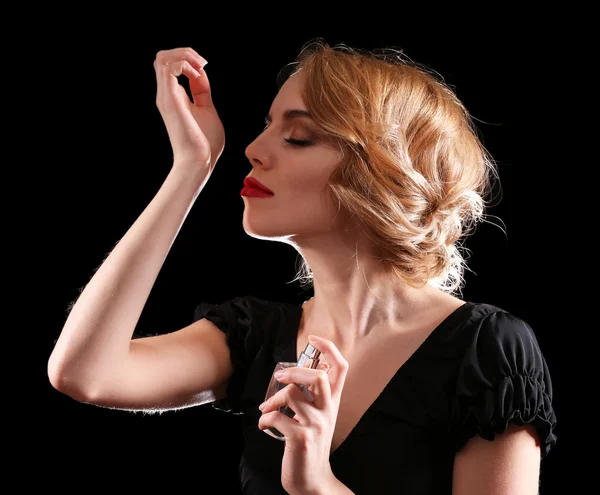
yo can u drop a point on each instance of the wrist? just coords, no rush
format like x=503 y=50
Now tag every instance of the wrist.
x=329 y=485
x=191 y=174
x=333 y=486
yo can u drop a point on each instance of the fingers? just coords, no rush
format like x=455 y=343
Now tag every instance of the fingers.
x=302 y=413
x=316 y=390
x=292 y=397
x=182 y=67
x=171 y=57
x=170 y=64
x=290 y=428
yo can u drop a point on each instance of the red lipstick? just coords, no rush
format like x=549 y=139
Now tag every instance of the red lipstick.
x=254 y=188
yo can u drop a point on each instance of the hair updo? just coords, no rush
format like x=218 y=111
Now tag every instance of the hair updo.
x=414 y=172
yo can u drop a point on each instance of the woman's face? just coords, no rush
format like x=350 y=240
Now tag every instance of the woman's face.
x=294 y=161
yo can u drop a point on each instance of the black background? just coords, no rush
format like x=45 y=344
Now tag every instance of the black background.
x=107 y=153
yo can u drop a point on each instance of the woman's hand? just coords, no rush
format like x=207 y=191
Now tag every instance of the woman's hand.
x=308 y=435
x=195 y=129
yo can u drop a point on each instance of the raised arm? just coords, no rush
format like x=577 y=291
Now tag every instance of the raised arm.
x=95 y=359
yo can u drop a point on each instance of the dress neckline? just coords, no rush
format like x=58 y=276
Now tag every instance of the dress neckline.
x=446 y=322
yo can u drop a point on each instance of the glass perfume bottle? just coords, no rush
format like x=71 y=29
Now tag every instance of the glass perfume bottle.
x=308 y=358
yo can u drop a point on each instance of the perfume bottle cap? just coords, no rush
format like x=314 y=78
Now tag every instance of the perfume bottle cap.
x=311 y=351
x=309 y=357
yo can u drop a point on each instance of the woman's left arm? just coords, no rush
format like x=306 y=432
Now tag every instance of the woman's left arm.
x=507 y=465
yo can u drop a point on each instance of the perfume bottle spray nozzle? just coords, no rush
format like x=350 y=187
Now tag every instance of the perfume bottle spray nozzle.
x=309 y=357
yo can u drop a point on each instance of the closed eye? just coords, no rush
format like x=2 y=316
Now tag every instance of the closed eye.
x=297 y=142
x=292 y=141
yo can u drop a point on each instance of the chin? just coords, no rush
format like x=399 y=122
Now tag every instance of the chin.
x=288 y=224
x=263 y=229
x=269 y=230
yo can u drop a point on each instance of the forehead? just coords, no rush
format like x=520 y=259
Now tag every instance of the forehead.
x=290 y=94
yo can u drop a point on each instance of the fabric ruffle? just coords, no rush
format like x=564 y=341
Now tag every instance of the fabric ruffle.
x=504 y=379
x=517 y=399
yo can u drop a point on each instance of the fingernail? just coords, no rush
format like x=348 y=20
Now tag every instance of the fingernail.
x=279 y=374
x=262 y=406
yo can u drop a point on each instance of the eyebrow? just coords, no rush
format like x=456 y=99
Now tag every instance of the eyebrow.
x=291 y=114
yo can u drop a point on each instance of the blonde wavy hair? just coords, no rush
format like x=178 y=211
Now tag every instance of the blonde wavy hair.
x=414 y=171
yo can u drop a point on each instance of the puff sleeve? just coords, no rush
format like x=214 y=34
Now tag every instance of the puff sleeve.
x=503 y=378
x=235 y=318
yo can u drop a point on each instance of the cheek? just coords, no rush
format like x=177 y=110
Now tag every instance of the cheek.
x=310 y=192
x=307 y=189
x=309 y=176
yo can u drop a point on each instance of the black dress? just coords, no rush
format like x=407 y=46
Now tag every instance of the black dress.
x=480 y=369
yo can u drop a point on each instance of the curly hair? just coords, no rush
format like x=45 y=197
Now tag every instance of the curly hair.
x=414 y=171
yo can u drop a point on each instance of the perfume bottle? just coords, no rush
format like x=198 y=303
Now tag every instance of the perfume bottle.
x=309 y=358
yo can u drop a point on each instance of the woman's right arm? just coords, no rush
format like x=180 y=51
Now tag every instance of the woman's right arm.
x=95 y=359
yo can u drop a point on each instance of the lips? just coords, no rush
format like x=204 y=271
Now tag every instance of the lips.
x=252 y=183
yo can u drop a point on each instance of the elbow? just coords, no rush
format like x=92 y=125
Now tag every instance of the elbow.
x=63 y=381
x=54 y=371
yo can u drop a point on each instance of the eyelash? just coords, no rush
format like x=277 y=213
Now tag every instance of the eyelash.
x=293 y=142
x=297 y=142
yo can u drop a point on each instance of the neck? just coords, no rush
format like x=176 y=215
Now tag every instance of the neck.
x=353 y=296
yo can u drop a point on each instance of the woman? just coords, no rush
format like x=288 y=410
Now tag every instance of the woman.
x=370 y=167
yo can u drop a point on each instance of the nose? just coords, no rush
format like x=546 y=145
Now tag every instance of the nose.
x=255 y=153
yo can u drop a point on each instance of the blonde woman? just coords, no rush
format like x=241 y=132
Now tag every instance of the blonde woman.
x=371 y=168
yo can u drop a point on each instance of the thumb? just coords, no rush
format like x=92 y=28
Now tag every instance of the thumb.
x=200 y=90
